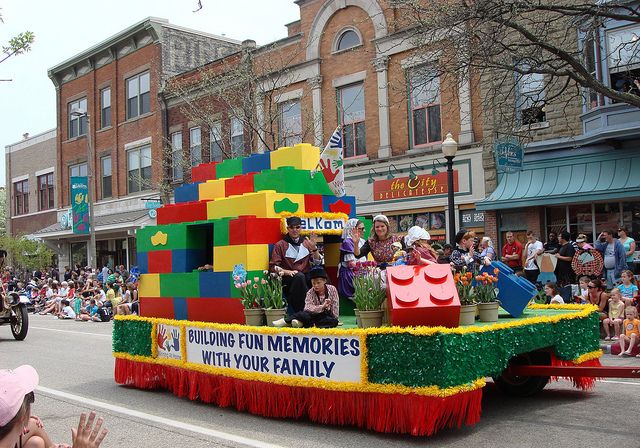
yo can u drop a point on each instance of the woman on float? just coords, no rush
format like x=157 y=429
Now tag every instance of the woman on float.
x=351 y=238
x=421 y=252
x=380 y=242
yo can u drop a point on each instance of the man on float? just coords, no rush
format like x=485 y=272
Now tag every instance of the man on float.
x=292 y=258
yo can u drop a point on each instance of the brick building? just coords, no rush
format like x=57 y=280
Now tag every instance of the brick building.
x=116 y=82
x=581 y=162
x=31 y=179
x=348 y=63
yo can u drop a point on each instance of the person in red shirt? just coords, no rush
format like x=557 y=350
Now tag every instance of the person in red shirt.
x=512 y=253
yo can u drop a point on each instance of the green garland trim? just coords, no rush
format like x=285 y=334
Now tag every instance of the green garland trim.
x=133 y=337
x=447 y=360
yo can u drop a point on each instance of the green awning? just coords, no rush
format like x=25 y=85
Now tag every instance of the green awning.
x=601 y=177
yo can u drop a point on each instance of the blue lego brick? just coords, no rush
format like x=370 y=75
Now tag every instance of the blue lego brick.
x=187 y=193
x=143 y=262
x=271 y=246
x=333 y=204
x=215 y=284
x=256 y=163
x=180 y=308
x=186 y=260
x=514 y=293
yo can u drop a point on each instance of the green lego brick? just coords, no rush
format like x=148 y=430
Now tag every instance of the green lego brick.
x=287 y=179
x=235 y=292
x=368 y=223
x=221 y=231
x=179 y=236
x=180 y=285
x=229 y=168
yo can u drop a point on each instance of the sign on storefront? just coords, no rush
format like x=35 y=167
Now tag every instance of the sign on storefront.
x=80 y=204
x=471 y=218
x=509 y=155
x=405 y=187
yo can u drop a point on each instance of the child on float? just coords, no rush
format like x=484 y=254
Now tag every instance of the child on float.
x=421 y=252
x=321 y=306
x=553 y=294
x=628 y=288
x=631 y=331
x=616 y=312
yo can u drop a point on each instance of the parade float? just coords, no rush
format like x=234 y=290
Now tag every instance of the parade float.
x=420 y=374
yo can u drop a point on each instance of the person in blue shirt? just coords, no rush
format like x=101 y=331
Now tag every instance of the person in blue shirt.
x=614 y=255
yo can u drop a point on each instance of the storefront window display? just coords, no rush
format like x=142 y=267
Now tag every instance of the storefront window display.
x=580 y=220
x=79 y=254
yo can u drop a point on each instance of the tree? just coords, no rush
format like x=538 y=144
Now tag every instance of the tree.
x=3 y=211
x=26 y=255
x=552 y=42
x=17 y=45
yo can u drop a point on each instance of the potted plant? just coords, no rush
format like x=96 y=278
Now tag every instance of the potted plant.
x=487 y=296
x=275 y=307
x=250 y=297
x=369 y=294
x=463 y=281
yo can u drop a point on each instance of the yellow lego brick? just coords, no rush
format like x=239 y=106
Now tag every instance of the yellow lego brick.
x=149 y=285
x=262 y=204
x=302 y=156
x=211 y=189
x=254 y=257
x=332 y=254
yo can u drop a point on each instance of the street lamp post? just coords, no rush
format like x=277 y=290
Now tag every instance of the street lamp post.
x=92 y=234
x=449 y=149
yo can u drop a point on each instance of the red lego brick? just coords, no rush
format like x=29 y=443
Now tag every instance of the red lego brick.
x=238 y=185
x=161 y=307
x=159 y=262
x=313 y=203
x=422 y=295
x=332 y=272
x=203 y=172
x=220 y=310
x=184 y=212
x=252 y=230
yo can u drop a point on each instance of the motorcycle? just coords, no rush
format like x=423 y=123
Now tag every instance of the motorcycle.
x=13 y=311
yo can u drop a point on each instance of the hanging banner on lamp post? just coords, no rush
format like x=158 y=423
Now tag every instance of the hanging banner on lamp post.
x=80 y=204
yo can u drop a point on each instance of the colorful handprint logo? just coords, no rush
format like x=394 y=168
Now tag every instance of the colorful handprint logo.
x=168 y=341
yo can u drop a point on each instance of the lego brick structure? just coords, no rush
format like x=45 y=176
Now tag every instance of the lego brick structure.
x=514 y=293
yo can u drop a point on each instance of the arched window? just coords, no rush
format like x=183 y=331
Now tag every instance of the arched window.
x=348 y=39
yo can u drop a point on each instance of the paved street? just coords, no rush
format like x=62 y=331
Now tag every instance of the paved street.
x=76 y=374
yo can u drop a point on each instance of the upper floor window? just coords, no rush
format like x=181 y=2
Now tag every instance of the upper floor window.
x=176 y=156
x=424 y=86
x=591 y=54
x=195 y=146
x=290 y=123
x=623 y=58
x=45 y=192
x=21 y=195
x=107 y=186
x=348 y=39
x=215 y=142
x=79 y=169
x=530 y=97
x=139 y=169
x=138 y=96
x=237 y=137
x=105 y=108
x=77 y=123
x=352 y=119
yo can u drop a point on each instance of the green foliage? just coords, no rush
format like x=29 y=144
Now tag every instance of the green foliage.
x=26 y=254
x=3 y=211
x=367 y=283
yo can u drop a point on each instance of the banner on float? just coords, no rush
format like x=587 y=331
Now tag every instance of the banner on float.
x=318 y=223
x=80 y=204
x=168 y=341
x=305 y=356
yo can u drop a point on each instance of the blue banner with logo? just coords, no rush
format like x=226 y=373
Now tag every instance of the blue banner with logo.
x=80 y=204
x=509 y=155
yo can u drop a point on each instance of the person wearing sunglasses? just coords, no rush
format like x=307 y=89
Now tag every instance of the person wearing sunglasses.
x=352 y=241
x=597 y=296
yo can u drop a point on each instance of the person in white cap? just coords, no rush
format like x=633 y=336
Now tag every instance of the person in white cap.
x=417 y=239
x=18 y=428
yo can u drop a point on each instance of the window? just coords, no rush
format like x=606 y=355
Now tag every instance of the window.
x=77 y=125
x=76 y=170
x=176 y=156
x=237 y=137
x=215 y=142
x=105 y=108
x=139 y=169
x=623 y=56
x=45 y=192
x=352 y=116
x=105 y=163
x=21 y=195
x=138 y=96
x=591 y=53
x=348 y=39
x=195 y=146
x=290 y=123
x=424 y=85
x=530 y=97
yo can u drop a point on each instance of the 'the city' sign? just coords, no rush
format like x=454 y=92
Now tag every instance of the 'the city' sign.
x=405 y=187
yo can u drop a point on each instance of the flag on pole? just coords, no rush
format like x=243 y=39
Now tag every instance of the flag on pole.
x=332 y=163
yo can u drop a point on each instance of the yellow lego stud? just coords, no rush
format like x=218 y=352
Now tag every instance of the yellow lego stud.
x=159 y=238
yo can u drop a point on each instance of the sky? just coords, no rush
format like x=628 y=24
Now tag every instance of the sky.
x=64 y=28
